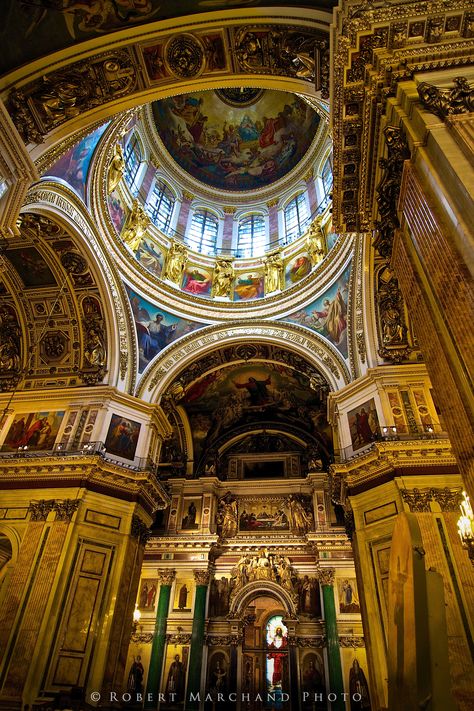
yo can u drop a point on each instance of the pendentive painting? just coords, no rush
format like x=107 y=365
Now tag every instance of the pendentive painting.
x=34 y=431
x=363 y=424
x=122 y=437
x=156 y=328
x=73 y=166
x=328 y=314
x=117 y=210
x=236 y=141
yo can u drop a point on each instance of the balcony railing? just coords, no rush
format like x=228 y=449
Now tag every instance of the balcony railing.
x=391 y=433
x=88 y=449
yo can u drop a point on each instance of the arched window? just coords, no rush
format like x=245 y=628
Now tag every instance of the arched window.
x=133 y=160
x=251 y=236
x=326 y=176
x=160 y=205
x=296 y=217
x=202 y=234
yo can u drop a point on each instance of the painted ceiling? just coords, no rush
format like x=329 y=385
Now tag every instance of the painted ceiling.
x=236 y=140
x=33 y=28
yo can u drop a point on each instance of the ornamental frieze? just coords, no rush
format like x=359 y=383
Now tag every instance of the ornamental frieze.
x=419 y=501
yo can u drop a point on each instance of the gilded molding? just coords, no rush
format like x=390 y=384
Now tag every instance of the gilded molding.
x=418 y=500
x=139 y=529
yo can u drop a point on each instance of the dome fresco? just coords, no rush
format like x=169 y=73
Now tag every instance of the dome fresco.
x=236 y=146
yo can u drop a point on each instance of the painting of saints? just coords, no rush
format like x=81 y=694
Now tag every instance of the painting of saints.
x=175 y=678
x=249 y=286
x=363 y=424
x=36 y=431
x=277 y=643
x=332 y=319
x=197 y=282
x=313 y=680
x=122 y=437
x=348 y=601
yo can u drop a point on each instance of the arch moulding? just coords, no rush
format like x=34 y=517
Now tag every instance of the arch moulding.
x=261 y=587
x=175 y=359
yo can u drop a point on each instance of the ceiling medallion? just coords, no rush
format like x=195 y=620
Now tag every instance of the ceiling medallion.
x=239 y=96
x=185 y=56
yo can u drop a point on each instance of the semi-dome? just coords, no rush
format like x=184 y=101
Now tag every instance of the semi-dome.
x=236 y=139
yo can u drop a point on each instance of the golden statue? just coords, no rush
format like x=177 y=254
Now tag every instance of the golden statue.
x=223 y=277
x=116 y=169
x=315 y=242
x=135 y=226
x=273 y=273
x=175 y=262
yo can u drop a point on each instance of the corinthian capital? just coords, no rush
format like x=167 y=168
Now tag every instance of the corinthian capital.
x=326 y=575
x=165 y=576
x=201 y=577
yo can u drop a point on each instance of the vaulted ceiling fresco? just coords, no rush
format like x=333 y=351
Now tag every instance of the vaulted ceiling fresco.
x=235 y=140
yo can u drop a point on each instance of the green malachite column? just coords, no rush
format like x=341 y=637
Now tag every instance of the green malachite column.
x=336 y=683
x=166 y=578
x=197 y=640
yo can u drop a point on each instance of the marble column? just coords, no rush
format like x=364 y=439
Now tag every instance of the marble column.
x=197 y=638
x=165 y=578
x=336 y=683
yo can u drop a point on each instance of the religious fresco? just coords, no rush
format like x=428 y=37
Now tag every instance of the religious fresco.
x=33 y=431
x=312 y=681
x=249 y=285
x=297 y=268
x=347 y=594
x=117 y=210
x=122 y=437
x=150 y=256
x=328 y=314
x=31 y=267
x=363 y=424
x=236 y=147
x=262 y=517
x=197 y=281
x=155 y=328
x=147 y=594
x=239 y=395
x=73 y=166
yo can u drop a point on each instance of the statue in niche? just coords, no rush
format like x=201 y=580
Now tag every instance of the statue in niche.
x=116 y=168
x=175 y=262
x=315 y=241
x=273 y=273
x=223 y=278
x=135 y=226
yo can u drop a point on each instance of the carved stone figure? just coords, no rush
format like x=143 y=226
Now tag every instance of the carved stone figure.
x=315 y=241
x=95 y=353
x=264 y=566
x=301 y=520
x=175 y=262
x=273 y=273
x=223 y=277
x=116 y=168
x=227 y=516
x=135 y=226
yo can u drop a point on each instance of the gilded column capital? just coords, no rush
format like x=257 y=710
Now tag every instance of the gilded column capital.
x=326 y=575
x=40 y=510
x=188 y=196
x=65 y=510
x=459 y=99
x=166 y=576
x=201 y=577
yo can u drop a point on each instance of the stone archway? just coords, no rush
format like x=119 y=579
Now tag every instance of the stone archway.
x=252 y=590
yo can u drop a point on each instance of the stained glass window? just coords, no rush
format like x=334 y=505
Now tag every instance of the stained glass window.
x=277 y=643
x=252 y=236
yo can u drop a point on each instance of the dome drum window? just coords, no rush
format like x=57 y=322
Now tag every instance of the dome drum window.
x=160 y=205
